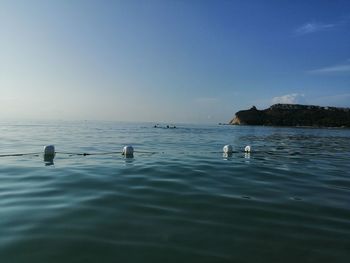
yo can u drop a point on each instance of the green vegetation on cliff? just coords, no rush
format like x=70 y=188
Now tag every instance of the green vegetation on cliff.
x=294 y=115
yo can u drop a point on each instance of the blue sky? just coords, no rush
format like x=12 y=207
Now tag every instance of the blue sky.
x=170 y=61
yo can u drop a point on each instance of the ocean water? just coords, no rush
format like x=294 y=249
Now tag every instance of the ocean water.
x=179 y=199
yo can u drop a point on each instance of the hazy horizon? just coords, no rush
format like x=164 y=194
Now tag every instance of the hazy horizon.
x=170 y=61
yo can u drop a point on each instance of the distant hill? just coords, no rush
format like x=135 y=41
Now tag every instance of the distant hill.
x=294 y=115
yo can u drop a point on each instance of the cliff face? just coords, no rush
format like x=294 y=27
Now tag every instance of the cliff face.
x=294 y=115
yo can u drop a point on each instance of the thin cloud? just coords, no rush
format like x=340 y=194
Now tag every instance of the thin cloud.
x=313 y=27
x=309 y=28
x=293 y=98
x=336 y=69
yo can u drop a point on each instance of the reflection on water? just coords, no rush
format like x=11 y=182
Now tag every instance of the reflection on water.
x=129 y=159
x=48 y=159
x=227 y=156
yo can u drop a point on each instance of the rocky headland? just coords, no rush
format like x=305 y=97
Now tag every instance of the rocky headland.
x=294 y=115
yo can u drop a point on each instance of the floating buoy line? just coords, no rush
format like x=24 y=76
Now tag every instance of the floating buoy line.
x=128 y=151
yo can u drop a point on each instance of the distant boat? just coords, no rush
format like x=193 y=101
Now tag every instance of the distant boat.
x=166 y=127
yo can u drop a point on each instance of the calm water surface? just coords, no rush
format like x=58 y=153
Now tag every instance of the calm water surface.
x=179 y=199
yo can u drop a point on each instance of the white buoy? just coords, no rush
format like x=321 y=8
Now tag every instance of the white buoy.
x=49 y=150
x=227 y=149
x=247 y=149
x=128 y=151
x=49 y=154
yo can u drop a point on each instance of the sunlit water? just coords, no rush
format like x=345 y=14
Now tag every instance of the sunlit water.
x=179 y=199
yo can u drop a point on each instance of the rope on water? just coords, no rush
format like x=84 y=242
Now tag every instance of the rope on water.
x=128 y=151
x=86 y=154
x=74 y=153
x=18 y=154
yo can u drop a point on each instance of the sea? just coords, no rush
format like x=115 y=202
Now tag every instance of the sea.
x=178 y=199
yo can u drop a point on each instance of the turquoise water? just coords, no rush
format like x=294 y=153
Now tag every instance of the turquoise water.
x=179 y=199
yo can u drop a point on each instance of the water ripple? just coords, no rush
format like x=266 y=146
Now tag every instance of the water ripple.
x=288 y=201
